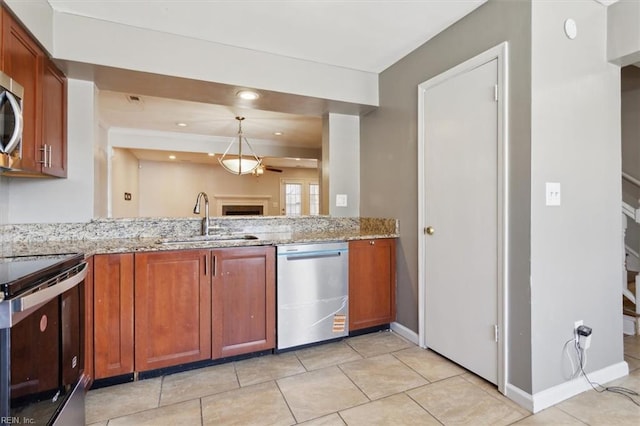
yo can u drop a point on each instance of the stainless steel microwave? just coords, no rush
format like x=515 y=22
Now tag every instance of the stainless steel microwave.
x=11 y=122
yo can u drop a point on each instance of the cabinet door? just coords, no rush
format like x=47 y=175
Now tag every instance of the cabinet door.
x=113 y=315
x=243 y=300
x=22 y=61
x=172 y=308
x=54 y=120
x=372 y=290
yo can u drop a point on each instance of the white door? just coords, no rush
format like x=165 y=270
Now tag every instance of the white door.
x=300 y=197
x=461 y=210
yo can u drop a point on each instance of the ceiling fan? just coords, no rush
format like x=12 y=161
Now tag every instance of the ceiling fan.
x=262 y=167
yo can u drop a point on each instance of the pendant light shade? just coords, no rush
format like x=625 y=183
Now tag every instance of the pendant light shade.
x=240 y=164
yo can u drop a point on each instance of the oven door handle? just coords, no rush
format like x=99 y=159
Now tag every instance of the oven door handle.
x=42 y=296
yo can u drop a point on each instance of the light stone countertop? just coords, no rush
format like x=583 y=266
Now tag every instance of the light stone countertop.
x=53 y=239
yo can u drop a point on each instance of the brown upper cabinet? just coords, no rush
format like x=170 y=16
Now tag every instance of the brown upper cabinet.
x=44 y=105
x=372 y=283
x=54 y=120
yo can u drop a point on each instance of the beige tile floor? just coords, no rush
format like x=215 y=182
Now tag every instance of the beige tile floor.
x=376 y=379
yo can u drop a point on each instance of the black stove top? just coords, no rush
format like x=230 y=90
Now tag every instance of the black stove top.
x=18 y=274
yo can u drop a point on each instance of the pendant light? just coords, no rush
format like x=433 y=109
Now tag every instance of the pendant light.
x=240 y=164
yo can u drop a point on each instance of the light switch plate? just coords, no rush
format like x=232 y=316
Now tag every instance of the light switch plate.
x=341 y=200
x=553 y=193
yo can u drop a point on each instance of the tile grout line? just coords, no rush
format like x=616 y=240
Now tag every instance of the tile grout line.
x=295 y=419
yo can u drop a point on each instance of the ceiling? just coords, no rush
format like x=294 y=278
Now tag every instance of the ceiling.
x=366 y=35
x=162 y=114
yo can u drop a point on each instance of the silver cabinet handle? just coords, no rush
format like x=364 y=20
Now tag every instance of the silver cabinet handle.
x=50 y=155
x=44 y=161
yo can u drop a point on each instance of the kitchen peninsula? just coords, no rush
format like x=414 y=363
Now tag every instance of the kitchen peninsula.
x=160 y=298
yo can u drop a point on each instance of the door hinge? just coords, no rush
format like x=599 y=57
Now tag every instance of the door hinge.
x=495 y=93
x=495 y=332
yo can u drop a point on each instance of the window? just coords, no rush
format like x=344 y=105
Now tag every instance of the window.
x=293 y=200
x=299 y=197
x=314 y=199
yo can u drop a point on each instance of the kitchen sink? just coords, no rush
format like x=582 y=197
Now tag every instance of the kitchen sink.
x=205 y=239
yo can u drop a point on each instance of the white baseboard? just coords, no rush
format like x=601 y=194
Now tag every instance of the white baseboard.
x=561 y=392
x=405 y=332
x=520 y=397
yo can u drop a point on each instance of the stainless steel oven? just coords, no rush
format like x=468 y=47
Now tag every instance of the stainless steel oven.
x=42 y=340
x=11 y=123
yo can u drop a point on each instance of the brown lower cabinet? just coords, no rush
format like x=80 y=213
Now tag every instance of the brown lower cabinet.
x=243 y=300
x=113 y=314
x=187 y=305
x=172 y=308
x=372 y=283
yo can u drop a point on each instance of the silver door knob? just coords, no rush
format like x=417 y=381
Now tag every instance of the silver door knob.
x=429 y=230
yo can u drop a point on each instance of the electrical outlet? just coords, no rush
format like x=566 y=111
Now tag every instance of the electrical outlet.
x=576 y=325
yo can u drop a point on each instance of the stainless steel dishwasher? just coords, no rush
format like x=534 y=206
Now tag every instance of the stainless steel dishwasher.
x=313 y=293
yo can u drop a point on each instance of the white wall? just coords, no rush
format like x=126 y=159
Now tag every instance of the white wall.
x=122 y=46
x=341 y=155
x=70 y=199
x=4 y=200
x=169 y=189
x=576 y=252
x=37 y=15
x=124 y=178
x=101 y=173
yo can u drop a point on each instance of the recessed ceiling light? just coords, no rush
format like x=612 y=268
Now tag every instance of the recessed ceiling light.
x=172 y=157
x=211 y=154
x=297 y=159
x=181 y=124
x=248 y=95
x=278 y=133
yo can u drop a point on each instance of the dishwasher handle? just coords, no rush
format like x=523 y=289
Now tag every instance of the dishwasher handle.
x=313 y=255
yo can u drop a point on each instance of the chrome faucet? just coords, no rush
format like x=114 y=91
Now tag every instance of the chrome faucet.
x=196 y=210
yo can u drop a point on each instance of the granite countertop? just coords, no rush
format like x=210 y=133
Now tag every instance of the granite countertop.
x=89 y=247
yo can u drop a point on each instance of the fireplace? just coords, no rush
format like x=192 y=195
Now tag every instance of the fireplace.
x=242 y=205
x=242 y=210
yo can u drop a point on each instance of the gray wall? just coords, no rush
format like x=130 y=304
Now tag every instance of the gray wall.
x=389 y=165
x=576 y=248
